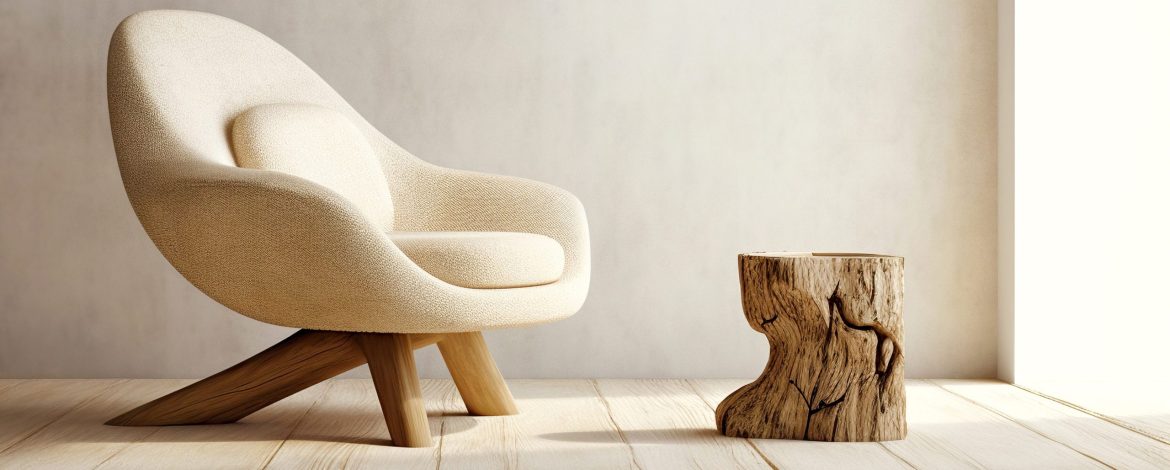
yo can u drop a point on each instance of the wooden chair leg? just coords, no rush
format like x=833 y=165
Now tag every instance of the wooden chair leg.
x=476 y=376
x=391 y=359
x=309 y=357
x=300 y=361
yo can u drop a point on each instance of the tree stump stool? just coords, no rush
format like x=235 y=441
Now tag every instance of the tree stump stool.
x=834 y=326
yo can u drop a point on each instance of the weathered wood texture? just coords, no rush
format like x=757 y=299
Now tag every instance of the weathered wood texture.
x=809 y=455
x=834 y=372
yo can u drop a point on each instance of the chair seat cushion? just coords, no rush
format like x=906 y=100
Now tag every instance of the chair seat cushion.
x=484 y=260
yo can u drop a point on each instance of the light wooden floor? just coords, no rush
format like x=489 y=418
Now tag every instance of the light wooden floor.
x=645 y=424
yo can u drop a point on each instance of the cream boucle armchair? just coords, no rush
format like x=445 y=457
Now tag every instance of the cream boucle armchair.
x=271 y=194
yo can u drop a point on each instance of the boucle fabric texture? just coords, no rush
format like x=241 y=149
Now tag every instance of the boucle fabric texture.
x=484 y=260
x=318 y=144
x=283 y=249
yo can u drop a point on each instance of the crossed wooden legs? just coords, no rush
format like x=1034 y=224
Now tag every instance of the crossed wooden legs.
x=309 y=357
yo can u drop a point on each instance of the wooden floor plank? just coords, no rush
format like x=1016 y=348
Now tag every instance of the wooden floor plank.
x=79 y=439
x=346 y=429
x=568 y=423
x=562 y=424
x=1114 y=445
x=28 y=406
x=1143 y=406
x=804 y=454
x=669 y=426
x=947 y=431
x=247 y=444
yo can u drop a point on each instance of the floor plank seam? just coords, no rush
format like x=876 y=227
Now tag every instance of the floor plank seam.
x=297 y=424
x=71 y=409
x=442 y=433
x=1013 y=420
x=621 y=432
x=751 y=442
x=896 y=456
x=449 y=397
x=115 y=454
x=1103 y=417
x=126 y=445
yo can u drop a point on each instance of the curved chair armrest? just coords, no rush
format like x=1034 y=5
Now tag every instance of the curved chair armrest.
x=440 y=199
x=288 y=252
x=274 y=247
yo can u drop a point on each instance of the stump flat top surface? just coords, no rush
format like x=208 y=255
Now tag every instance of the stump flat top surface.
x=814 y=254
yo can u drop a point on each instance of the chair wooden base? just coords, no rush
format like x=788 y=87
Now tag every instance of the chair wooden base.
x=309 y=357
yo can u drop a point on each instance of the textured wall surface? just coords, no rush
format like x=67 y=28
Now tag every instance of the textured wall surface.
x=1006 y=184
x=691 y=131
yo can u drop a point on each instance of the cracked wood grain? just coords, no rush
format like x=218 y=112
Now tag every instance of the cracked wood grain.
x=835 y=365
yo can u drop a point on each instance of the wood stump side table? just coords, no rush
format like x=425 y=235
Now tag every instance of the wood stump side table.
x=835 y=365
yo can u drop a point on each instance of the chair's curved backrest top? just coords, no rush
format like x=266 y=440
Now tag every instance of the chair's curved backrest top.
x=177 y=79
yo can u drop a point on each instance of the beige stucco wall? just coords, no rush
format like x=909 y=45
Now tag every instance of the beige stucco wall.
x=691 y=130
x=1006 y=183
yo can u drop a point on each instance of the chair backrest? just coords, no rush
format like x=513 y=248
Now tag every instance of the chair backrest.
x=177 y=79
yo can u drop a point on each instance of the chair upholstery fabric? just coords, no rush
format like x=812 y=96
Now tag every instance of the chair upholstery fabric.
x=484 y=260
x=283 y=249
x=318 y=144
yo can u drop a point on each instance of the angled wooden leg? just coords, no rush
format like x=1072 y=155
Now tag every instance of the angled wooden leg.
x=300 y=361
x=476 y=376
x=391 y=359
